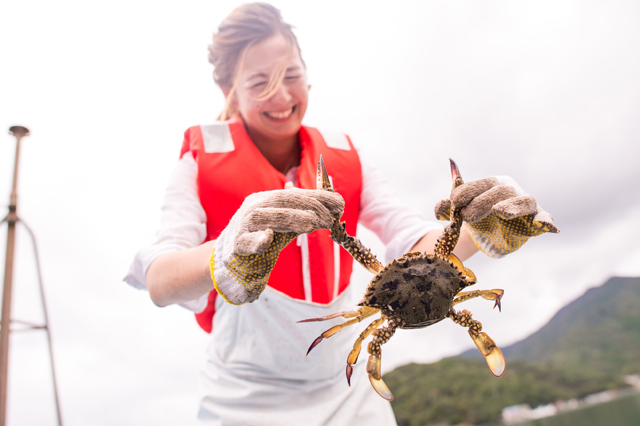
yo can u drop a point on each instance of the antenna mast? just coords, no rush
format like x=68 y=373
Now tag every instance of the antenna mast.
x=5 y=325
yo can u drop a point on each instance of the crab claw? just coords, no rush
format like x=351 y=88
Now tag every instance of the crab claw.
x=495 y=359
x=455 y=174
x=322 y=177
x=352 y=359
x=454 y=169
x=349 y=373
x=328 y=333
x=496 y=294
x=373 y=369
x=498 y=304
x=496 y=362
x=381 y=388
x=314 y=344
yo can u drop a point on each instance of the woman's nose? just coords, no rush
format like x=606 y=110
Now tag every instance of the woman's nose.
x=282 y=95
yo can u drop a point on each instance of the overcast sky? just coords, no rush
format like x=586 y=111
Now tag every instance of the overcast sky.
x=545 y=91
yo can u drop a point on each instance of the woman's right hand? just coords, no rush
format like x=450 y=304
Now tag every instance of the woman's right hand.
x=247 y=250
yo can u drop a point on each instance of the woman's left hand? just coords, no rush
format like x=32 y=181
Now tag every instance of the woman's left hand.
x=500 y=216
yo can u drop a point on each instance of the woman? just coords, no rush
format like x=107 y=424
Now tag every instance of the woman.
x=242 y=195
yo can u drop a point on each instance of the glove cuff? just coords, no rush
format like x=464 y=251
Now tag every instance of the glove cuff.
x=484 y=244
x=497 y=237
x=212 y=263
x=240 y=278
x=224 y=284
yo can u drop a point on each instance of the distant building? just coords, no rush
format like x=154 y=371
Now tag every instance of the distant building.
x=516 y=413
x=633 y=380
x=572 y=404
x=599 y=397
x=543 y=411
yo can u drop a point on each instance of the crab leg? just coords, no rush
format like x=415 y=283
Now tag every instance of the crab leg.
x=380 y=337
x=449 y=238
x=333 y=330
x=486 y=345
x=365 y=310
x=339 y=233
x=495 y=294
x=353 y=355
x=356 y=249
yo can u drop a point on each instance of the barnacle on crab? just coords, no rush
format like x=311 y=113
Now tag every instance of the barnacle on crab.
x=414 y=291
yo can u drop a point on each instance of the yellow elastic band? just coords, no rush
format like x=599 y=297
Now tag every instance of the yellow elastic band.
x=474 y=242
x=215 y=284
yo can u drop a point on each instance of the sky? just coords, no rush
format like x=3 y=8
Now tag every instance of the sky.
x=544 y=91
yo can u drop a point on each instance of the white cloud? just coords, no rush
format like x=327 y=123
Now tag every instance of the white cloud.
x=543 y=91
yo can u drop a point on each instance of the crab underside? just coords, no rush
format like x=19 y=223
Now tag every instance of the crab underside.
x=414 y=291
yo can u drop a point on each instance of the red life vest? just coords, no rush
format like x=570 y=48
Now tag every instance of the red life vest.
x=230 y=167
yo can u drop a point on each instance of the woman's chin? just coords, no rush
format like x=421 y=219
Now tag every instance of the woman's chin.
x=284 y=130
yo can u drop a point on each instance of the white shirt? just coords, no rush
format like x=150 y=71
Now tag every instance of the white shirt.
x=184 y=221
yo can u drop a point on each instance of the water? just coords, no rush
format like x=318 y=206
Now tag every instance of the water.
x=624 y=411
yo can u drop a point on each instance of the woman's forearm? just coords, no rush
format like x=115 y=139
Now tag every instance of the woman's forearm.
x=180 y=276
x=464 y=249
x=185 y=275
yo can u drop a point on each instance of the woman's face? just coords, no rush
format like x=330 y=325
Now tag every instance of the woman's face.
x=279 y=116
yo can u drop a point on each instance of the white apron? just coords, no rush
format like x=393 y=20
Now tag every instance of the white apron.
x=257 y=373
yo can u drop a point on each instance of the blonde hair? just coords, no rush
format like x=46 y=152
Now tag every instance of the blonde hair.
x=244 y=27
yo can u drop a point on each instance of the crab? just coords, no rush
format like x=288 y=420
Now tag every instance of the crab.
x=415 y=291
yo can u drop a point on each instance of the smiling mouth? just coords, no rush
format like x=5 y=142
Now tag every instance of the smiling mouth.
x=280 y=115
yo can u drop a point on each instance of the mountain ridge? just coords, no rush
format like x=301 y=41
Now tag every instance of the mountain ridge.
x=607 y=310
x=585 y=347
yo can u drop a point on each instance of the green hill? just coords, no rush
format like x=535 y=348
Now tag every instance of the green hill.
x=600 y=329
x=458 y=390
x=584 y=348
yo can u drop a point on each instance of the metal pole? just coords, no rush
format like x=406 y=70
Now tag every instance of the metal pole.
x=46 y=322
x=19 y=132
x=5 y=326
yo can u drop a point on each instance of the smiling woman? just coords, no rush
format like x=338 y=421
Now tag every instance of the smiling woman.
x=226 y=208
x=243 y=190
x=270 y=93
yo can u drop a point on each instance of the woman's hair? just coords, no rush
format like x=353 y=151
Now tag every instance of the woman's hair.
x=244 y=27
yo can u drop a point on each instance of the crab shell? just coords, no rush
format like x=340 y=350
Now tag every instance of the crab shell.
x=418 y=288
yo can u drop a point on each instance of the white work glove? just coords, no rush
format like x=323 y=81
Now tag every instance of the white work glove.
x=500 y=216
x=247 y=250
